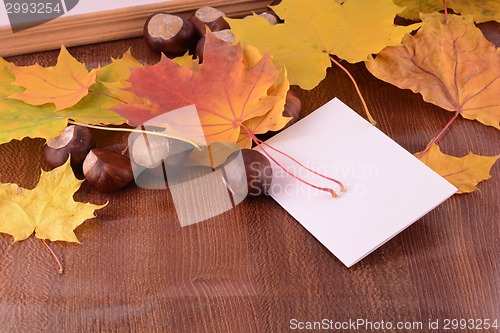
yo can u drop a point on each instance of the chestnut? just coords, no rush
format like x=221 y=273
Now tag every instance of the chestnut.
x=208 y=17
x=253 y=177
x=225 y=35
x=153 y=153
x=107 y=171
x=293 y=107
x=171 y=34
x=76 y=141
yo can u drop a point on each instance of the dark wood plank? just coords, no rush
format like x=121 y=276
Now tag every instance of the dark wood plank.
x=254 y=268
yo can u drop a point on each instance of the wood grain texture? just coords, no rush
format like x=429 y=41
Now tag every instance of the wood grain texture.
x=108 y=25
x=254 y=268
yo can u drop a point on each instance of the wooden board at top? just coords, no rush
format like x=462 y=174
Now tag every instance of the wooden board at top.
x=106 y=24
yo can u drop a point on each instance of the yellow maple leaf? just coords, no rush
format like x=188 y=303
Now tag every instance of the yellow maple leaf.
x=114 y=78
x=450 y=64
x=64 y=84
x=187 y=61
x=48 y=210
x=481 y=10
x=464 y=172
x=115 y=75
x=107 y=92
x=118 y=70
x=273 y=120
x=313 y=30
x=18 y=119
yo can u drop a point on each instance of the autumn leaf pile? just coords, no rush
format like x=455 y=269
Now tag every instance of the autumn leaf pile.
x=238 y=93
x=239 y=90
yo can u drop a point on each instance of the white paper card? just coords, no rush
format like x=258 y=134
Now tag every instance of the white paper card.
x=387 y=187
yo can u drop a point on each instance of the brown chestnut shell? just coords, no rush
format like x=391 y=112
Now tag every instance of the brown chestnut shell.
x=76 y=141
x=208 y=17
x=107 y=171
x=170 y=34
x=293 y=108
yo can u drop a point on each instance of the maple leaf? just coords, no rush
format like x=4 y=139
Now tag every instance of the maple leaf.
x=48 y=210
x=314 y=30
x=106 y=93
x=272 y=120
x=21 y=120
x=94 y=109
x=451 y=65
x=187 y=61
x=118 y=70
x=115 y=75
x=464 y=173
x=64 y=84
x=481 y=10
x=226 y=93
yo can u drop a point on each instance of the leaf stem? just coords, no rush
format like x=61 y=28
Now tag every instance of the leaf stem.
x=368 y=115
x=439 y=135
x=342 y=187
x=132 y=130
x=261 y=145
x=210 y=155
x=53 y=255
x=148 y=145
x=445 y=11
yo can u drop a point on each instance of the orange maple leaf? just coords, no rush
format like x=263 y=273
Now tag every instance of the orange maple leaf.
x=64 y=84
x=271 y=121
x=226 y=92
x=451 y=64
x=463 y=172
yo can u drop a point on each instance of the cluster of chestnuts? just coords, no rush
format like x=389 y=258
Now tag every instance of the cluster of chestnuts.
x=175 y=35
x=109 y=171
x=106 y=170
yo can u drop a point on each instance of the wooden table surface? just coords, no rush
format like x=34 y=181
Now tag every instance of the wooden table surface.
x=254 y=268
